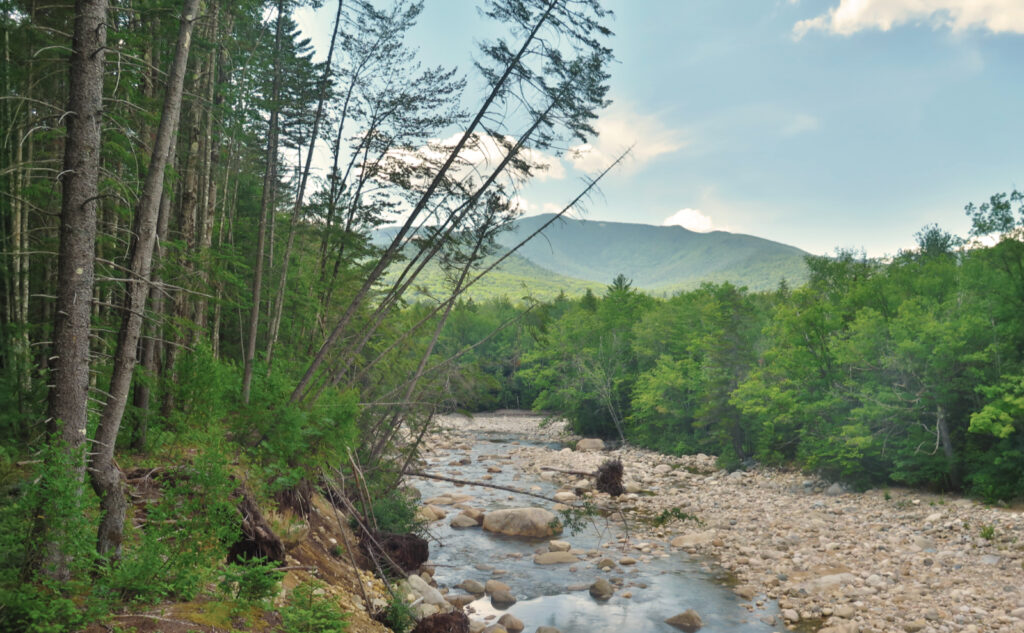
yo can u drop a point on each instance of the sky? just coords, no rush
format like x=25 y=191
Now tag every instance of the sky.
x=824 y=124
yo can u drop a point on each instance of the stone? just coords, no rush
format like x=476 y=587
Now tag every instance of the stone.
x=555 y=558
x=495 y=628
x=459 y=600
x=529 y=522
x=662 y=469
x=464 y=521
x=430 y=595
x=835 y=490
x=627 y=560
x=688 y=621
x=502 y=599
x=693 y=539
x=915 y=626
x=472 y=586
x=565 y=497
x=845 y=611
x=511 y=623
x=790 y=615
x=746 y=592
x=548 y=629
x=477 y=626
x=559 y=546
x=495 y=585
x=590 y=444
x=602 y=589
x=605 y=563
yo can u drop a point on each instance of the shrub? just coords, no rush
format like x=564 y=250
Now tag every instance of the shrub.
x=310 y=611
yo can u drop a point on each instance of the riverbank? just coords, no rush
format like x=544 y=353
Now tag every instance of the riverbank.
x=879 y=561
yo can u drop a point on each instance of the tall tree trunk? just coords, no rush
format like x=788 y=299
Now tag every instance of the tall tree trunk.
x=275 y=322
x=68 y=410
x=106 y=477
x=266 y=207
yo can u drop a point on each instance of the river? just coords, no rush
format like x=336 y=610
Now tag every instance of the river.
x=661 y=584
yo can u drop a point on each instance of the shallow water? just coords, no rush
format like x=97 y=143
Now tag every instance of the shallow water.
x=546 y=594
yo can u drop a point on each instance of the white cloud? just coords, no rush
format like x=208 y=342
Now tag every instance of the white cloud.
x=619 y=128
x=998 y=16
x=693 y=220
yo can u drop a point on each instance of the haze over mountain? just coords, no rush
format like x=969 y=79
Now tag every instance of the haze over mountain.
x=574 y=255
x=656 y=258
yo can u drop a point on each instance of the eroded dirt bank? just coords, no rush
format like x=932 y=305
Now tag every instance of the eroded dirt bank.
x=878 y=561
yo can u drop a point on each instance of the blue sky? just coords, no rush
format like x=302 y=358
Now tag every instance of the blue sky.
x=819 y=123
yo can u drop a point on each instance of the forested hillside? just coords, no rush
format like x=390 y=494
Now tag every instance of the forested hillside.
x=184 y=294
x=905 y=372
x=659 y=259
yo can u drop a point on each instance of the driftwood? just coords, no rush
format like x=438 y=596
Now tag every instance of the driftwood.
x=608 y=476
x=416 y=473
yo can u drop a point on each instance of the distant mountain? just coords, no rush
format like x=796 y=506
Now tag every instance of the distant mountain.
x=574 y=255
x=516 y=277
x=656 y=258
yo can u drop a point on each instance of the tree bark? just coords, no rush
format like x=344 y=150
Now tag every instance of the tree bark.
x=106 y=476
x=75 y=276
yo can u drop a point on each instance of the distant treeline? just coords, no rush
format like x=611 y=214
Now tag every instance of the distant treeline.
x=906 y=372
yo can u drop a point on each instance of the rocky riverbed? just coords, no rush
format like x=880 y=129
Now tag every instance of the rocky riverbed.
x=879 y=561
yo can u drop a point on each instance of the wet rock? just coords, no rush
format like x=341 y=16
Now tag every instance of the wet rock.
x=548 y=629
x=430 y=513
x=472 y=586
x=590 y=444
x=627 y=560
x=495 y=585
x=529 y=522
x=555 y=558
x=601 y=589
x=464 y=521
x=459 y=600
x=688 y=621
x=502 y=599
x=511 y=623
x=605 y=563
x=746 y=592
x=559 y=546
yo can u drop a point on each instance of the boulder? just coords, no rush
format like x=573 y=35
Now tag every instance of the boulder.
x=555 y=558
x=472 y=586
x=565 y=497
x=495 y=585
x=602 y=589
x=688 y=621
x=464 y=521
x=528 y=522
x=693 y=539
x=502 y=599
x=511 y=623
x=590 y=444
x=430 y=595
